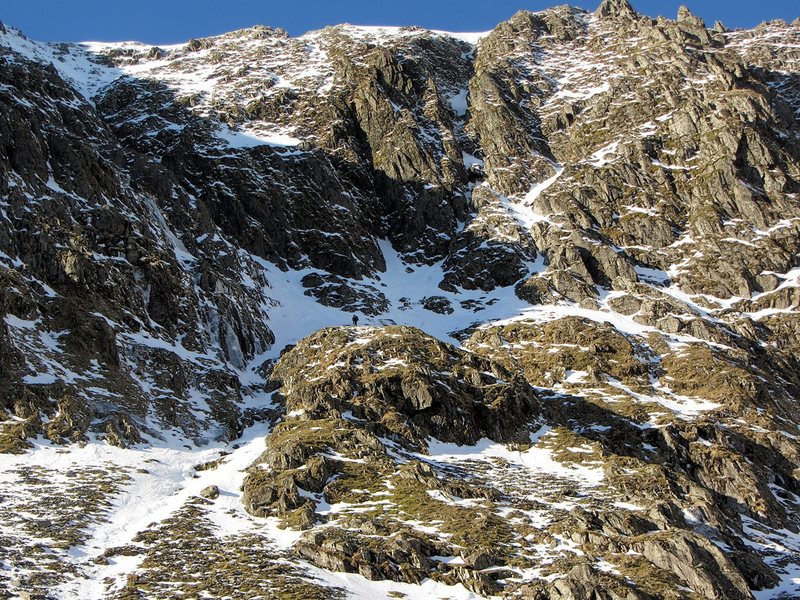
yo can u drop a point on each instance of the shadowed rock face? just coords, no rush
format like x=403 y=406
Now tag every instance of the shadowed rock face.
x=600 y=208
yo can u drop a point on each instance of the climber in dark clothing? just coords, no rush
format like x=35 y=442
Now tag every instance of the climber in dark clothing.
x=355 y=319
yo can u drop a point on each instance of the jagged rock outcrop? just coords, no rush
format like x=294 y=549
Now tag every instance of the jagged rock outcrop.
x=601 y=208
x=384 y=394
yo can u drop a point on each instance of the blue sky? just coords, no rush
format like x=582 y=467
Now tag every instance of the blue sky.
x=172 y=21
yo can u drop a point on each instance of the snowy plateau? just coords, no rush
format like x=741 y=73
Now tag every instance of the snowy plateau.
x=571 y=246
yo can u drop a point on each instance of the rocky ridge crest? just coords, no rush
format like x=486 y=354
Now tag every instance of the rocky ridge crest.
x=596 y=214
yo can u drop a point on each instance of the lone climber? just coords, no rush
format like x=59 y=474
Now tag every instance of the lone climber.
x=355 y=320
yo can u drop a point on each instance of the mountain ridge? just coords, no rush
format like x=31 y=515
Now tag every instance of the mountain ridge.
x=574 y=244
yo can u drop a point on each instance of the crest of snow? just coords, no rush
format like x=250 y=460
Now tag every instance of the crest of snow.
x=361 y=588
x=15 y=321
x=606 y=567
x=622 y=323
x=582 y=94
x=78 y=65
x=538 y=458
x=378 y=32
x=241 y=139
x=791 y=279
x=648 y=129
x=657 y=163
x=145 y=339
x=651 y=275
x=628 y=506
x=453 y=500
x=600 y=158
x=539 y=188
x=387 y=34
x=524 y=211
x=576 y=377
x=469 y=37
x=682 y=406
x=392 y=362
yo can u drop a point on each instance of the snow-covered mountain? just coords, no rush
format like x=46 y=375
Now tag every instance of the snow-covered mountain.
x=573 y=246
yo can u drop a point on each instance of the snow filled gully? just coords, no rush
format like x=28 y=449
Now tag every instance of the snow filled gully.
x=162 y=479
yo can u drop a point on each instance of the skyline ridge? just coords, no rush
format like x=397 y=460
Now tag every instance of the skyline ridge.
x=128 y=23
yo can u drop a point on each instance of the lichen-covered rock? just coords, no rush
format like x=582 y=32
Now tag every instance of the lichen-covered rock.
x=210 y=492
x=391 y=392
x=603 y=208
x=377 y=373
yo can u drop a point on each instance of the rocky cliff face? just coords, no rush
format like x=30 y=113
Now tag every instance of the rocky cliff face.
x=574 y=243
